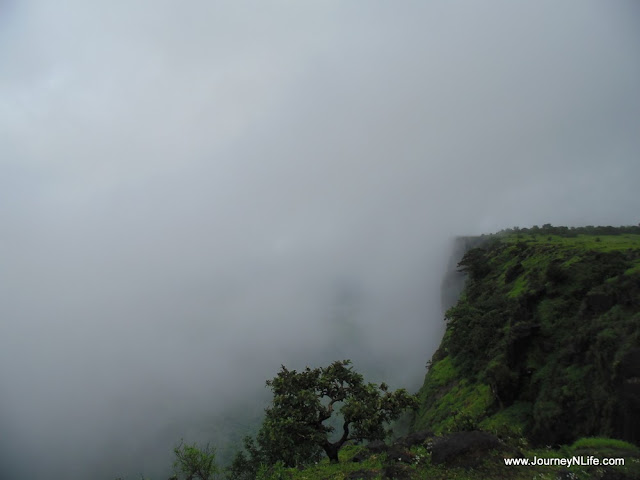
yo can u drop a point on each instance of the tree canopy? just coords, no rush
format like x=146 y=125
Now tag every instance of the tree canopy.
x=297 y=426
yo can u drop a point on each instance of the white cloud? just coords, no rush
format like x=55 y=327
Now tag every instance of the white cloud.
x=184 y=184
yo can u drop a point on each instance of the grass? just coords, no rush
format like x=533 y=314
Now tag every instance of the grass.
x=488 y=465
x=603 y=443
x=602 y=243
x=443 y=372
x=519 y=287
x=633 y=270
x=510 y=422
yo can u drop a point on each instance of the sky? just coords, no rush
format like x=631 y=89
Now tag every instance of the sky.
x=194 y=193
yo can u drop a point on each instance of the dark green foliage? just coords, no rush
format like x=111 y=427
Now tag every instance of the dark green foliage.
x=503 y=381
x=475 y=263
x=513 y=272
x=247 y=463
x=548 y=229
x=555 y=274
x=550 y=321
x=297 y=428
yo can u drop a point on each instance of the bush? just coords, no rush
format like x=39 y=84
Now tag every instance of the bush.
x=193 y=463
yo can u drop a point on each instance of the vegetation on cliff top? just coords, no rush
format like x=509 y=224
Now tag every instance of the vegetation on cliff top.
x=545 y=340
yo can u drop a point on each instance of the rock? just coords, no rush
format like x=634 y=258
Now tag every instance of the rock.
x=362 y=474
x=397 y=453
x=361 y=456
x=416 y=438
x=462 y=444
x=377 y=446
x=611 y=474
x=397 y=472
x=372 y=448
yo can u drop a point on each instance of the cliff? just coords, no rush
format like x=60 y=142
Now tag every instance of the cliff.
x=453 y=280
x=541 y=354
x=544 y=341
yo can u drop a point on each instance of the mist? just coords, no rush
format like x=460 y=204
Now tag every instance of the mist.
x=192 y=194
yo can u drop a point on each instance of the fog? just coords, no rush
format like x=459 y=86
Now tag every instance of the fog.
x=194 y=193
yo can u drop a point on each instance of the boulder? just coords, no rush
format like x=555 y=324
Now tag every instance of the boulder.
x=397 y=472
x=371 y=449
x=455 y=446
x=416 y=438
x=397 y=453
x=362 y=475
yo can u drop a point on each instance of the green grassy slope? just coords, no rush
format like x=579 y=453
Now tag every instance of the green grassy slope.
x=488 y=467
x=544 y=341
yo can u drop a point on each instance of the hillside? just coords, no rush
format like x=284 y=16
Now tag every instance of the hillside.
x=544 y=341
x=541 y=358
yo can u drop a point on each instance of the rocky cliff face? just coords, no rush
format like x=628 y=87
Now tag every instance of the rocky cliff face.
x=542 y=339
x=453 y=281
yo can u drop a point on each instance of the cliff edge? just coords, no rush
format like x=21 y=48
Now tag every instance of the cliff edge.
x=544 y=340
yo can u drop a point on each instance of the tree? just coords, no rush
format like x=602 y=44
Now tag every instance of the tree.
x=297 y=425
x=193 y=463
